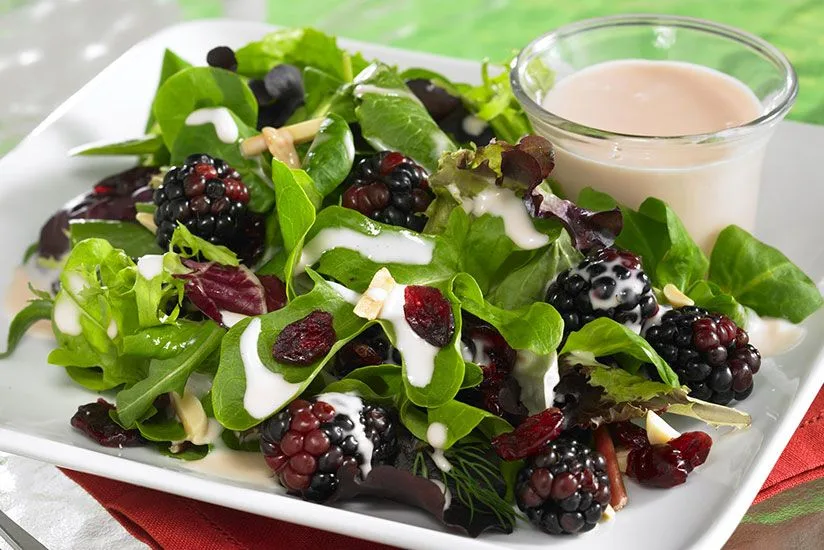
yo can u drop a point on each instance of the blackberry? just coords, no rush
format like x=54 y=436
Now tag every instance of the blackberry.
x=499 y=392
x=208 y=197
x=709 y=353
x=390 y=188
x=310 y=445
x=608 y=283
x=565 y=489
x=370 y=347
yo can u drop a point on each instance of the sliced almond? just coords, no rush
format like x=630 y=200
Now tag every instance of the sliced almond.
x=621 y=458
x=676 y=297
x=370 y=304
x=301 y=132
x=146 y=220
x=658 y=431
x=609 y=514
x=191 y=414
x=282 y=146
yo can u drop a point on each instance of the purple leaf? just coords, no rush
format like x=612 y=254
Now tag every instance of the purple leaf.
x=213 y=288
x=113 y=198
x=588 y=229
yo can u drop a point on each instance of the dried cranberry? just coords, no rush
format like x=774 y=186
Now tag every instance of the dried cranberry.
x=94 y=421
x=658 y=466
x=531 y=436
x=306 y=340
x=629 y=435
x=429 y=314
x=693 y=446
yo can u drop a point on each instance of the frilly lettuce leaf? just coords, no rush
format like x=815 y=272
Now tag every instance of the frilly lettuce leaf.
x=191 y=246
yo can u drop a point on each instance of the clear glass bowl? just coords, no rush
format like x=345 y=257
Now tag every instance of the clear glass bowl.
x=692 y=173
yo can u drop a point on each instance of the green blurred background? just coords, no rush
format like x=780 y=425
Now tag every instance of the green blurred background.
x=475 y=29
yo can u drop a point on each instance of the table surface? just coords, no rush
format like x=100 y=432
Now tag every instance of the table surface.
x=50 y=48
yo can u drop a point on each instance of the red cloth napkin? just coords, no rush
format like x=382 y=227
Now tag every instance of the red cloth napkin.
x=175 y=523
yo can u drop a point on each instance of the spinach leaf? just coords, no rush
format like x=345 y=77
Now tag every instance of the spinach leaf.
x=392 y=118
x=355 y=269
x=709 y=296
x=189 y=246
x=524 y=278
x=296 y=209
x=254 y=171
x=160 y=431
x=381 y=383
x=487 y=248
x=537 y=327
x=198 y=87
x=134 y=239
x=329 y=159
x=604 y=336
x=669 y=254
x=319 y=89
x=36 y=310
x=172 y=64
x=147 y=145
x=167 y=375
x=188 y=453
x=229 y=389
x=762 y=278
x=459 y=418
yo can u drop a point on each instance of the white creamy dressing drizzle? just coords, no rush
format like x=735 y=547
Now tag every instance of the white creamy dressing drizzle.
x=403 y=247
x=220 y=117
x=480 y=357
x=473 y=125
x=418 y=354
x=230 y=318
x=239 y=466
x=466 y=352
x=364 y=89
x=773 y=336
x=537 y=375
x=212 y=434
x=111 y=330
x=347 y=294
x=503 y=202
x=265 y=390
x=655 y=320
x=436 y=437
x=351 y=405
x=447 y=494
x=150 y=266
x=66 y=315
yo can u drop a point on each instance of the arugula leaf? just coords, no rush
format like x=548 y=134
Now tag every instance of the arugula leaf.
x=526 y=275
x=172 y=64
x=355 y=270
x=537 y=327
x=300 y=47
x=167 y=375
x=162 y=341
x=762 y=278
x=197 y=87
x=189 y=246
x=254 y=171
x=148 y=145
x=603 y=337
x=36 y=310
x=229 y=389
x=330 y=157
x=459 y=418
x=134 y=239
x=392 y=118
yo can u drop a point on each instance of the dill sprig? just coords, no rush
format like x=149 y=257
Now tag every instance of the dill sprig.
x=472 y=481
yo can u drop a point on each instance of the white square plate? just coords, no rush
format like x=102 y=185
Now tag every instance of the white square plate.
x=37 y=400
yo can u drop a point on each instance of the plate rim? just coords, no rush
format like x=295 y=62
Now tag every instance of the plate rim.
x=349 y=522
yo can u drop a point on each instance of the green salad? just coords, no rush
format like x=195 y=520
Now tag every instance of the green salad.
x=367 y=277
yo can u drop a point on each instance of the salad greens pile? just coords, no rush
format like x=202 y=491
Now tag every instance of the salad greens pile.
x=139 y=322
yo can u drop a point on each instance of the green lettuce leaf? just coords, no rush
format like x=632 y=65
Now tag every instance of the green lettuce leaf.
x=134 y=239
x=190 y=246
